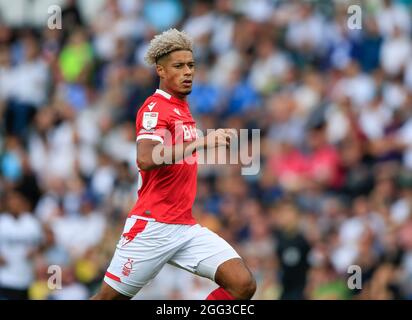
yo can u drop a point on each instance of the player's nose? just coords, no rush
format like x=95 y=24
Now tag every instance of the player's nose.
x=188 y=70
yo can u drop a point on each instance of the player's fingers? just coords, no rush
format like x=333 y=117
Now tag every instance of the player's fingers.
x=221 y=136
x=230 y=131
x=222 y=141
x=226 y=140
x=218 y=140
x=229 y=137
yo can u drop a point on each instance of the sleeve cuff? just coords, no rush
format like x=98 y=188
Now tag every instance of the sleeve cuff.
x=149 y=136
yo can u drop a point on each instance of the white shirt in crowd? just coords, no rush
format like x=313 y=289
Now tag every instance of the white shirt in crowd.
x=267 y=70
x=5 y=83
x=360 y=88
x=405 y=137
x=30 y=81
x=394 y=16
x=74 y=291
x=78 y=234
x=57 y=157
x=395 y=54
x=18 y=237
x=374 y=119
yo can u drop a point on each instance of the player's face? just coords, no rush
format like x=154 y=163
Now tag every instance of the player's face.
x=176 y=72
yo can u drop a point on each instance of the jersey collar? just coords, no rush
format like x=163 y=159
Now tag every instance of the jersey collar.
x=163 y=93
x=169 y=97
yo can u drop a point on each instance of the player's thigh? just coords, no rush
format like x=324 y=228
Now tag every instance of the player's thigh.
x=139 y=257
x=203 y=253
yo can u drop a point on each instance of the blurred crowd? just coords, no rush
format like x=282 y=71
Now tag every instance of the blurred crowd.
x=333 y=104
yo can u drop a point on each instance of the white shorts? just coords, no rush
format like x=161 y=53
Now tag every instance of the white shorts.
x=146 y=246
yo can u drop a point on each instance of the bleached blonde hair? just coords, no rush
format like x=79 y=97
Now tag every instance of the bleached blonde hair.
x=167 y=42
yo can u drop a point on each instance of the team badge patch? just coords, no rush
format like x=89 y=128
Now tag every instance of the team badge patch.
x=150 y=120
x=127 y=267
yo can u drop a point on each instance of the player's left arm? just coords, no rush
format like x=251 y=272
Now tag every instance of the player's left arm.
x=152 y=154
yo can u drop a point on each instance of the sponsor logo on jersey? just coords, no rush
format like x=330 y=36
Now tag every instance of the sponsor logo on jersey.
x=189 y=133
x=150 y=120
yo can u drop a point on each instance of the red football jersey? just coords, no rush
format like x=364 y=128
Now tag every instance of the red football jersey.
x=167 y=193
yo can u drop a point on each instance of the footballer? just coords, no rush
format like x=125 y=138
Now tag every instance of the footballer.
x=160 y=228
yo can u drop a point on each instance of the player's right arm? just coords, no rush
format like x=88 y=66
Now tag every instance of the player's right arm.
x=148 y=157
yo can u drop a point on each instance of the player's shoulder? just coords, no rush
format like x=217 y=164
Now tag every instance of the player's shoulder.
x=155 y=103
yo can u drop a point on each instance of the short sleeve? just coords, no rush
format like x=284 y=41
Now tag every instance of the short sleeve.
x=151 y=124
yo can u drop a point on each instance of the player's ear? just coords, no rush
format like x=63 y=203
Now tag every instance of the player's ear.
x=160 y=71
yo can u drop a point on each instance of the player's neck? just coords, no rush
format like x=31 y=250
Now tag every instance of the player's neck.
x=173 y=94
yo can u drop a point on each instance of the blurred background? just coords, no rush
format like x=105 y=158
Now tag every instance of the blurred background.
x=333 y=105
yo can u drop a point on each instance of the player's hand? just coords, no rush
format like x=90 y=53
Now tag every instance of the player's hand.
x=2 y=261
x=219 y=138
